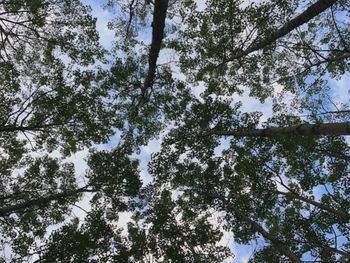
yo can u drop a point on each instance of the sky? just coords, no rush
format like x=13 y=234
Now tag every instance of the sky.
x=242 y=252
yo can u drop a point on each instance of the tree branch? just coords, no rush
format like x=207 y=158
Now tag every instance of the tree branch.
x=311 y=12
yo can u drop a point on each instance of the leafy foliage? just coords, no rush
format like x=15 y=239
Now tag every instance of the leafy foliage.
x=58 y=97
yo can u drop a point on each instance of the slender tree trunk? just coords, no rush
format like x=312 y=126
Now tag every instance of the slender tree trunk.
x=331 y=210
x=158 y=24
x=311 y=12
x=342 y=128
x=40 y=202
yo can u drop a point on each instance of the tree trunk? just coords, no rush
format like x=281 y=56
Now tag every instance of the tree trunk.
x=40 y=202
x=342 y=128
x=311 y=12
x=158 y=24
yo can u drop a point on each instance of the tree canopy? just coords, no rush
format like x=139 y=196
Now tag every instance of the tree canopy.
x=252 y=132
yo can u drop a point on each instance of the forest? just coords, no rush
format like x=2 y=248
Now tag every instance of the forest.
x=206 y=129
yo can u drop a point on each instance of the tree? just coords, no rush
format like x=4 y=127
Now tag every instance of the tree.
x=281 y=180
x=172 y=231
x=45 y=194
x=285 y=189
x=44 y=96
x=52 y=105
x=267 y=188
x=311 y=12
x=282 y=190
x=260 y=44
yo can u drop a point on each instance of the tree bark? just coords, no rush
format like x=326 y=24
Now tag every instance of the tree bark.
x=342 y=128
x=311 y=12
x=158 y=24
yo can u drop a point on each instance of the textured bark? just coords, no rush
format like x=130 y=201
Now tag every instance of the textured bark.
x=40 y=201
x=311 y=12
x=342 y=128
x=324 y=207
x=159 y=15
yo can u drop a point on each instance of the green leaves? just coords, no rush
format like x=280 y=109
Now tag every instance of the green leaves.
x=95 y=239
x=288 y=193
x=114 y=172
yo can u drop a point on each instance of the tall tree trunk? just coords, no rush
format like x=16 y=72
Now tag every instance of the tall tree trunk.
x=311 y=12
x=342 y=128
x=40 y=201
x=158 y=24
